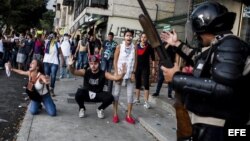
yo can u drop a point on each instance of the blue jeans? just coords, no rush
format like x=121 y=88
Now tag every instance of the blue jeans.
x=51 y=70
x=106 y=65
x=13 y=59
x=160 y=82
x=63 y=67
x=82 y=60
x=47 y=102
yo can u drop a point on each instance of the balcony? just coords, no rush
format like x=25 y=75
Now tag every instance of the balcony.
x=81 y=5
x=68 y=2
x=99 y=3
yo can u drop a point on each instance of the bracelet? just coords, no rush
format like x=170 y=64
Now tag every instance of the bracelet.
x=181 y=45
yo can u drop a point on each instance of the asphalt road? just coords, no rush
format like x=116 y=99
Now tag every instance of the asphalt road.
x=12 y=105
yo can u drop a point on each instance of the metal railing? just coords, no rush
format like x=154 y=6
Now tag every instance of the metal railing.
x=80 y=5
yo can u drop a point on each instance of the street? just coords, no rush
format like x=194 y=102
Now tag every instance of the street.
x=12 y=105
x=67 y=126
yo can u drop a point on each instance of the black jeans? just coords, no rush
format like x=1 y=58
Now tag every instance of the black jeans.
x=82 y=95
x=106 y=65
x=142 y=72
x=1 y=59
x=160 y=82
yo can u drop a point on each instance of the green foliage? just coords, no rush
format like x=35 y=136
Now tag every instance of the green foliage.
x=22 y=14
x=47 y=20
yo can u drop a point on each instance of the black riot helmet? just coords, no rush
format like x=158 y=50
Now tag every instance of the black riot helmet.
x=211 y=17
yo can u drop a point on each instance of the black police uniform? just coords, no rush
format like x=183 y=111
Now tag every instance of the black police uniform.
x=216 y=94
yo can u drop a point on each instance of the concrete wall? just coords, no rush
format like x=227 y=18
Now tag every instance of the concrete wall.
x=181 y=7
x=131 y=8
x=118 y=25
x=234 y=6
x=65 y=18
x=125 y=15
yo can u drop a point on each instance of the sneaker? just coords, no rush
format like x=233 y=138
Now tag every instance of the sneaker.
x=116 y=119
x=100 y=113
x=146 y=105
x=82 y=113
x=155 y=94
x=130 y=120
x=137 y=101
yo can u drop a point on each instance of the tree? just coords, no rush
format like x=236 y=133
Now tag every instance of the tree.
x=22 y=14
x=47 y=20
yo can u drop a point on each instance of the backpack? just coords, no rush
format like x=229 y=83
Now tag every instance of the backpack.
x=47 y=47
x=32 y=92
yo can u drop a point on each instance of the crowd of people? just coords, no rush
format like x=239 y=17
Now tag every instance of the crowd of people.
x=61 y=53
x=216 y=78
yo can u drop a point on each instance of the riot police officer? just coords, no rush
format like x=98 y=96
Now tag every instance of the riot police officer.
x=216 y=93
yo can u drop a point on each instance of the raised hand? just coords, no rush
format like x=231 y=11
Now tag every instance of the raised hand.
x=124 y=68
x=8 y=65
x=170 y=38
x=71 y=60
x=8 y=68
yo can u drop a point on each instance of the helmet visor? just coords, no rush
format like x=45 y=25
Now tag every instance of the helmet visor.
x=193 y=38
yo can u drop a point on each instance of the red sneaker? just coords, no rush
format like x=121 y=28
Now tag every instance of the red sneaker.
x=130 y=120
x=115 y=119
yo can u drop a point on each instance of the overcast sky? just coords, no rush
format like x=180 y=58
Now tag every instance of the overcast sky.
x=50 y=4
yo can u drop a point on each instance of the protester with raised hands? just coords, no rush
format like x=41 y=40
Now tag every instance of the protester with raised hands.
x=37 y=88
x=94 y=80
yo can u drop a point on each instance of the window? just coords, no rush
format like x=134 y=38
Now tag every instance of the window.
x=245 y=24
x=58 y=6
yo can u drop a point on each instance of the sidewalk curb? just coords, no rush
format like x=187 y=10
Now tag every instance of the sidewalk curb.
x=147 y=126
x=151 y=130
x=25 y=128
x=165 y=105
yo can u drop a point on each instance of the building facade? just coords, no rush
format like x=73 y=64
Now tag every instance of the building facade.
x=78 y=16
x=108 y=15
x=81 y=16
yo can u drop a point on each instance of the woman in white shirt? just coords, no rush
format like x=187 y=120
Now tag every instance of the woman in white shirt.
x=39 y=86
